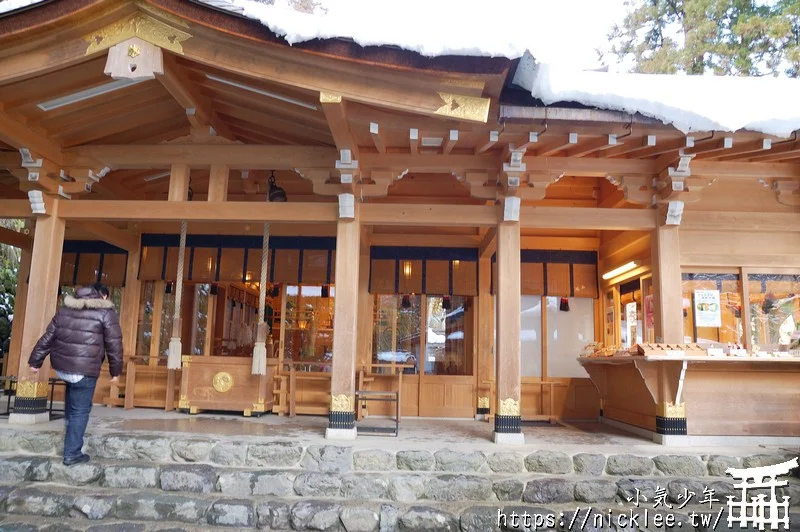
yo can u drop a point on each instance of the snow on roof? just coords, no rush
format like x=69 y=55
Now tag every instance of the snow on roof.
x=431 y=28
x=690 y=103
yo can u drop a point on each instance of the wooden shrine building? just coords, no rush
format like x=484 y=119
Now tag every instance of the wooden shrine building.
x=374 y=219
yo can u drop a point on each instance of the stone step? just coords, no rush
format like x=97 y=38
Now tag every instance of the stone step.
x=50 y=508
x=243 y=452
x=397 y=486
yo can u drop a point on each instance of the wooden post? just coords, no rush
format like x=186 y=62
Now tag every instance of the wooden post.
x=508 y=423
x=155 y=325
x=665 y=249
x=131 y=295
x=30 y=405
x=11 y=365
x=341 y=420
x=218 y=183
x=485 y=336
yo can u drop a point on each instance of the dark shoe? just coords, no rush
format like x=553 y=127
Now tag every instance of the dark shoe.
x=83 y=458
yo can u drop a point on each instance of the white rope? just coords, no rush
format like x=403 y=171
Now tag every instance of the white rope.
x=260 y=348
x=175 y=347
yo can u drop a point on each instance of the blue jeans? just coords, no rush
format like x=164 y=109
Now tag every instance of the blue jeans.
x=77 y=405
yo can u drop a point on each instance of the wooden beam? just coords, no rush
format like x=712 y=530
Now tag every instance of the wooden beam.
x=15 y=238
x=665 y=147
x=433 y=240
x=740 y=150
x=236 y=156
x=711 y=146
x=218 y=183
x=198 y=111
x=15 y=208
x=782 y=150
x=176 y=211
x=451 y=142
x=548 y=147
x=489 y=243
x=571 y=243
x=740 y=221
x=494 y=136
x=588 y=218
x=592 y=146
x=178 y=182
x=665 y=246
x=427 y=215
x=632 y=147
x=21 y=136
x=336 y=113
x=377 y=138
x=108 y=233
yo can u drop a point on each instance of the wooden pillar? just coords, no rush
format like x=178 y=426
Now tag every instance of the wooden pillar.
x=218 y=183
x=485 y=335
x=11 y=364
x=668 y=310
x=131 y=298
x=30 y=405
x=341 y=420
x=507 y=422
x=665 y=249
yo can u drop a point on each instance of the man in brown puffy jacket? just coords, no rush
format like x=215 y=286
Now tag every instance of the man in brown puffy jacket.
x=81 y=334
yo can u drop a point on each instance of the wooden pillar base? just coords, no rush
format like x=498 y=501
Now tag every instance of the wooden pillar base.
x=30 y=403
x=340 y=434
x=671 y=419
x=483 y=406
x=507 y=424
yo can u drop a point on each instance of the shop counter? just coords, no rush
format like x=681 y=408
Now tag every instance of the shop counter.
x=700 y=395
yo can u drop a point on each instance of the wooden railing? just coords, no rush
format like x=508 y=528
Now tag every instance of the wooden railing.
x=367 y=374
x=295 y=375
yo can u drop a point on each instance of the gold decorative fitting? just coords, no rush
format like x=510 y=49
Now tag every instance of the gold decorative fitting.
x=139 y=25
x=671 y=410
x=186 y=359
x=483 y=402
x=183 y=403
x=133 y=51
x=509 y=407
x=31 y=389
x=327 y=97
x=258 y=407
x=464 y=107
x=342 y=403
x=223 y=382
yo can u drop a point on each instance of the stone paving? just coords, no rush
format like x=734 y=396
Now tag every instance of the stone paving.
x=139 y=481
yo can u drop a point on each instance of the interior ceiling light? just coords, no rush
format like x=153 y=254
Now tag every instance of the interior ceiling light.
x=85 y=94
x=622 y=269
x=280 y=97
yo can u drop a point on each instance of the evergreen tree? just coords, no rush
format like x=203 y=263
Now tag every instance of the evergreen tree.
x=726 y=37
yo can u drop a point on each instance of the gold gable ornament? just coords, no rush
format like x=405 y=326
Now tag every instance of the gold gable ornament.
x=134 y=59
x=141 y=25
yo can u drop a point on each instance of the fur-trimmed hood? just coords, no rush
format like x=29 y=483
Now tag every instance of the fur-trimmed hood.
x=92 y=303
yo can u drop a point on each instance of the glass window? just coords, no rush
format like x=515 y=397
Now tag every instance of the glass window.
x=531 y=336
x=448 y=335
x=570 y=327
x=397 y=330
x=712 y=308
x=308 y=332
x=200 y=317
x=167 y=316
x=774 y=312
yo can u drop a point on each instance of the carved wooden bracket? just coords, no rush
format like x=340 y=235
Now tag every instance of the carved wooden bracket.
x=635 y=188
x=134 y=59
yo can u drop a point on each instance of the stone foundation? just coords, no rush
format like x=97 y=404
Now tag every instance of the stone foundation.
x=152 y=482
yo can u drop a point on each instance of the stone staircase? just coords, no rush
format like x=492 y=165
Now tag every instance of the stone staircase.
x=148 y=482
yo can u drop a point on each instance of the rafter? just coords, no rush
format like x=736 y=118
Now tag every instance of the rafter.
x=592 y=146
x=199 y=113
x=377 y=137
x=555 y=145
x=745 y=148
x=632 y=148
x=21 y=136
x=335 y=110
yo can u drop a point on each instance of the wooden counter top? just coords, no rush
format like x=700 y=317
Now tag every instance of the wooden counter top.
x=662 y=358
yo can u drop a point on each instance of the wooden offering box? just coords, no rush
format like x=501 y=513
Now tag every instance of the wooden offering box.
x=225 y=383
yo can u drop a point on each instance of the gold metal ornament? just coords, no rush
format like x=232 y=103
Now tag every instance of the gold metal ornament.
x=223 y=382
x=463 y=107
x=671 y=410
x=328 y=97
x=133 y=51
x=139 y=25
x=342 y=403
x=31 y=389
x=509 y=407
x=483 y=402
x=183 y=403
